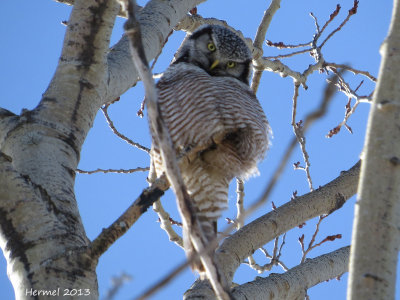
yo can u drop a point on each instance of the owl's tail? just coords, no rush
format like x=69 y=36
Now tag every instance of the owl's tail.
x=209 y=193
x=209 y=230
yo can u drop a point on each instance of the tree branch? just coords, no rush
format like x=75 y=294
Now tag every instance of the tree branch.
x=123 y=171
x=324 y=200
x=254 y=235
x=259 y=40
x=109 y=235
x=166 y=224
x=293 y=284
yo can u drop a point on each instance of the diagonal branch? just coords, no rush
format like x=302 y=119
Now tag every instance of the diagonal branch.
x=293 y=284
x=324 y=200
x=109 y=235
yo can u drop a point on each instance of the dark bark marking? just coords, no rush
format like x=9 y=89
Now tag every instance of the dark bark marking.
x=70 y=219
x=340 y=201
x=147 y=198
x=87 y=55
x=395 y=161
x=15 y=243
x=70 y=140
x=372 y=276
x=6 y=113
x=70 y=171
x=49 y=99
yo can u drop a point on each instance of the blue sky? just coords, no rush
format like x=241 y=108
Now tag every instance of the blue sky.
x=32 y=36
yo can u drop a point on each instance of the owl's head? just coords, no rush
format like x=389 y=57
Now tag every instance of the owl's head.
x=218 y=51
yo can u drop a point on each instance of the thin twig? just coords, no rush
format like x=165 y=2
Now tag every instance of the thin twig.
x=166 y=224
x=281 y=45
x=331 y=17
x=311 y=244
x=348 y=68
x=316 y=23
x=275 y=258
x=298 y=131
x=120 y=135
x=239 y=203
x=352 y=11
x=125 y=171
x=345 y=88
x=289 y=54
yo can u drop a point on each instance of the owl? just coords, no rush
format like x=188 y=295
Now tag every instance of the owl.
x=216 y=123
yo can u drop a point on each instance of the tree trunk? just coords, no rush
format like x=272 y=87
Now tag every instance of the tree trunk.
x=41 y=232
x=375 y=241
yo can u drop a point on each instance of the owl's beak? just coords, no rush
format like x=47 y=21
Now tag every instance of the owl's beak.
x=214 y=64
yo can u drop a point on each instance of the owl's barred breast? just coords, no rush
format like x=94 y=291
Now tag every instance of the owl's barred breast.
x=200 y=110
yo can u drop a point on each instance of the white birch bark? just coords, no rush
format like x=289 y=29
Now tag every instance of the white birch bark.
x=249 y=238
x=375 y=240
x=41 y=232
x=291 y=285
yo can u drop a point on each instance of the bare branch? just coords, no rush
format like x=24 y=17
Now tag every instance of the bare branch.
x=266 y=228
x=348 y=68
x=275 y=258
x=124 y=171
x=120 y=135
x=299 y=133
x=240 y=203
x=311 y=244
x=109 y=235
x=259 y=40
x=289 y=54
x=331 y=17
x=346 y=89
x=281 y=45
x=352 y=11
x=166 y=224
x=266 y=20
x=294 y=283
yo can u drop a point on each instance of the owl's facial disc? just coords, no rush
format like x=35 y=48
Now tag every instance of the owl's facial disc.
x=218 y=51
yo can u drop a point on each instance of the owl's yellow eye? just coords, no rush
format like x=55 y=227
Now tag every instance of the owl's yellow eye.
x=211 y=47
x=231 y=64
